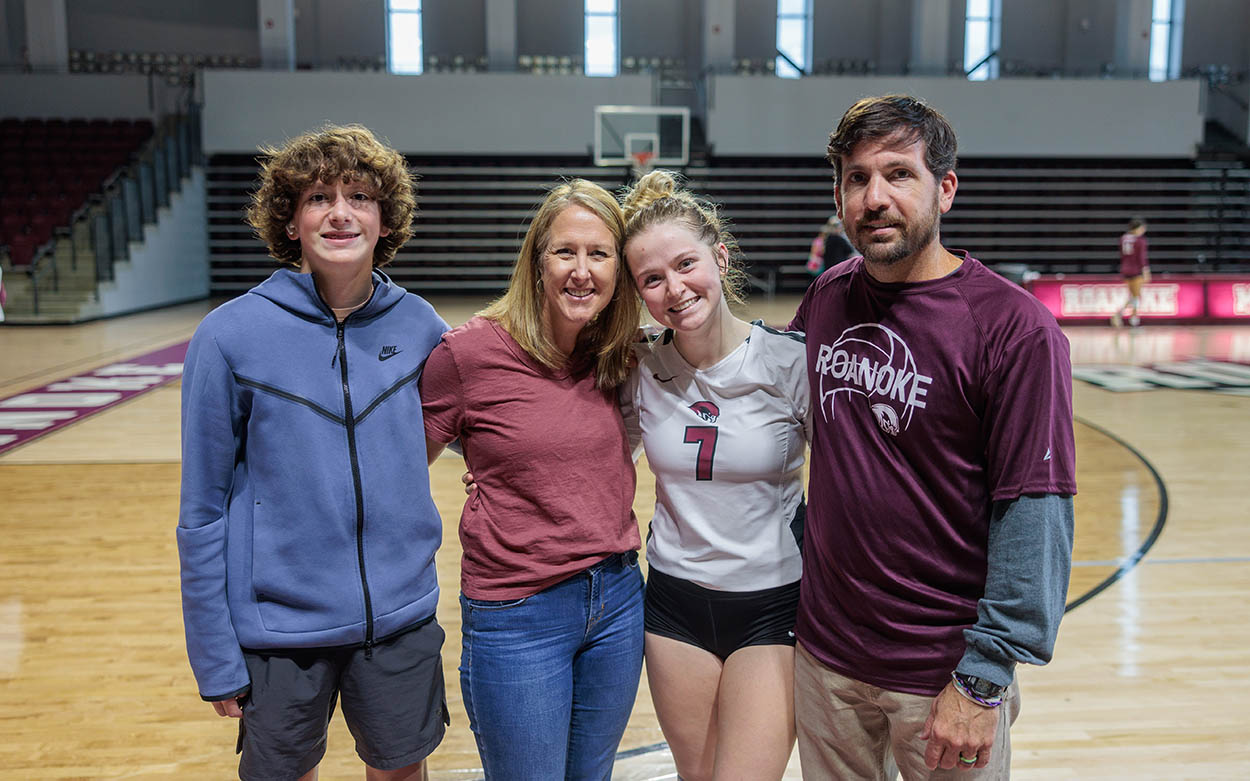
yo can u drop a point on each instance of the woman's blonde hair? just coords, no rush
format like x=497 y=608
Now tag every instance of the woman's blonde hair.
x=658 y=198
x=605 y=341
x=346 y=153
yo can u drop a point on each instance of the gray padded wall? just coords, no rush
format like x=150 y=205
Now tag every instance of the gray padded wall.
x=1007 y=117
x=440 y=113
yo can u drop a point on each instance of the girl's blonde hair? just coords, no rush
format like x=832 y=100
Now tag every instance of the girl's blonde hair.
x=658 y=198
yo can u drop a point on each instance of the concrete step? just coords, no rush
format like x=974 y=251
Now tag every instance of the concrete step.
x=58 y=317
x=21 y=300
x=57 y=309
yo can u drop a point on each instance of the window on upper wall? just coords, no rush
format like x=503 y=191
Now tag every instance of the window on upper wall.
x=794 y=37
x=601 y=38
x=403 y=36
x=982 y=36
x=1165 y=39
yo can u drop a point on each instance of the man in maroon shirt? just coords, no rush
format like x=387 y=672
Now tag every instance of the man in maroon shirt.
x=1135 y=269
x=939 y=529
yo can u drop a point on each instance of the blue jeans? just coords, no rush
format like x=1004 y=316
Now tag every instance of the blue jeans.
x=549 y=680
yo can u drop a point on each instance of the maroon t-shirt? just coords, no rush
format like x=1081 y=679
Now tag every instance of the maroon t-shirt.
x=549 y=453
x=930 y=400
x=1132 y=255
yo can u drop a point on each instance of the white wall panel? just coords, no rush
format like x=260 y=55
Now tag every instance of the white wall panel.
x=436 y=113
x=1007 y=117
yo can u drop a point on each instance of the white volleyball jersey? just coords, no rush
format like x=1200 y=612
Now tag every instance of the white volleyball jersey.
x=727 y=445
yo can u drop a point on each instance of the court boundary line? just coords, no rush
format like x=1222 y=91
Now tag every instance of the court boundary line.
x=1181 y=560
x=1160 y=520
x=641 y=750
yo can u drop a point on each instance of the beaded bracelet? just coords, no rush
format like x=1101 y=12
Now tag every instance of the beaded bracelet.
x=989 y=702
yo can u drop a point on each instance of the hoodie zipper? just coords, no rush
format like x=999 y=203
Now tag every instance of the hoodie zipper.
x=349 y=420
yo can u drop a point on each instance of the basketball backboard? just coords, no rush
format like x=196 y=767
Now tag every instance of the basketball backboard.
x=624 y=131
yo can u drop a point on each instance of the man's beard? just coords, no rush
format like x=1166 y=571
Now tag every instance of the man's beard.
x=910 y=240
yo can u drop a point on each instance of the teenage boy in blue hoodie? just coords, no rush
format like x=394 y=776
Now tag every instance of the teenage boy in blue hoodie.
x=306 y=530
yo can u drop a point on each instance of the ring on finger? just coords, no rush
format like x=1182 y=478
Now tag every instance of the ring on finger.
x=968 y=760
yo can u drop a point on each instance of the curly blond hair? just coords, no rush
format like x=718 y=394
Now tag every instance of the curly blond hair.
x=347 y=153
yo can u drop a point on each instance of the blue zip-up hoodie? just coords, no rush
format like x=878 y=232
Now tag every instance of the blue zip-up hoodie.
x=306 y=518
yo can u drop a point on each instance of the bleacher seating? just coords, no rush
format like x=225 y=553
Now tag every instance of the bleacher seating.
x=472 y=215
x=844 y=67
x=451 y=64
x=49 y=168
x=1216 y=74
x=562 y=65
x=1055 y=216
x=755 y=67
x=360 y=64
x=1058 y=216
x=176 y=68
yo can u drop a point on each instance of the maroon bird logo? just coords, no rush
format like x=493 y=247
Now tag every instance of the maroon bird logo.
x=706 y=410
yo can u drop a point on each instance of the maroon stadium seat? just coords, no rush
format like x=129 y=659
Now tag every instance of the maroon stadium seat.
x=45 y=186
x=63 y=208
x=42 y=226
x=21 y=249
x=13 y=223
x=57 y=132
x=35 y=140
x=39 y=232
x=14 y=203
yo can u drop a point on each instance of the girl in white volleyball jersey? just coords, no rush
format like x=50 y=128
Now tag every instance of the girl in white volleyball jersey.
x=721 y=406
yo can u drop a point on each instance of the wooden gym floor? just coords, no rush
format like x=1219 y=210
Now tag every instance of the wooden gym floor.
x=1151 y=678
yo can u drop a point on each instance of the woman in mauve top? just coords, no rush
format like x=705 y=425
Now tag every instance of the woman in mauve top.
x=551 y=595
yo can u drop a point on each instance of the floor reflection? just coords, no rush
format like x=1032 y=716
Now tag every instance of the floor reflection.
x=1158 y=344
x=1127 y=595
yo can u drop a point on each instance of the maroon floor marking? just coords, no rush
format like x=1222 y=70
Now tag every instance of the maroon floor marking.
x=32 y=414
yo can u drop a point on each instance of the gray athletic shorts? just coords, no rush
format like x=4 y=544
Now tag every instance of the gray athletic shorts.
x=393 y=702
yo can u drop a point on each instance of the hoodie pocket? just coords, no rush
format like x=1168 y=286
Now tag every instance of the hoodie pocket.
x=305 y=576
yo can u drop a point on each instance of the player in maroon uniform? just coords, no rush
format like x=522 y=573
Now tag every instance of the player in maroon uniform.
x=939 y=529
x=1135 y=268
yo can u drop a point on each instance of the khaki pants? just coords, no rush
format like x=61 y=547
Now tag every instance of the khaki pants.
x=850 y=730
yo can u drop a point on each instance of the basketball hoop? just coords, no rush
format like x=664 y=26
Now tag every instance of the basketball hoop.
x=641 y=162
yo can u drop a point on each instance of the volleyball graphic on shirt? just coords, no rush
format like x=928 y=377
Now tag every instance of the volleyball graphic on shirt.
x=873 y=362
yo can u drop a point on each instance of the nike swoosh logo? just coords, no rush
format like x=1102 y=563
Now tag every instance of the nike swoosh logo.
x=385 y=356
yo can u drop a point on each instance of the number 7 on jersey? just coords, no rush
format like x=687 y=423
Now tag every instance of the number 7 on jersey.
x=705 y=438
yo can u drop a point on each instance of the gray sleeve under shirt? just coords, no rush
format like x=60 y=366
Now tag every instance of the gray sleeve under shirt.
x=1030 y=559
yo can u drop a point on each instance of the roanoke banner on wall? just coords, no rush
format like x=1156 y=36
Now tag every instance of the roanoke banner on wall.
x=1228 y=298
x=1180 y=297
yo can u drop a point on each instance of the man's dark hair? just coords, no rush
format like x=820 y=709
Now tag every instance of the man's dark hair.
x=1136 y=223
x=902 y=116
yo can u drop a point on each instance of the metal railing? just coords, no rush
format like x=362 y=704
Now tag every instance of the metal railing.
x=134 y=193
x=128 y=201
x=41 y=264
